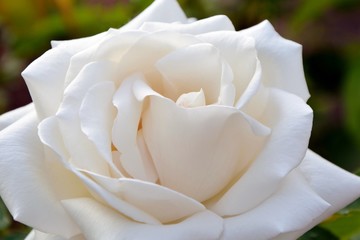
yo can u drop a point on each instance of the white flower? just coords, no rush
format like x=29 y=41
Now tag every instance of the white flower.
x=168 y=129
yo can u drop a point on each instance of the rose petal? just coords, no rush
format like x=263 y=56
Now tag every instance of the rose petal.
x=37 y=235
x=9 y=118
x=51 y=136
x=192 y=99
x=81 y=149
x=77 y=45
x=294 y=205
x=110 y=225
x=127 y=209
x=198 y=162
x=111 y=47
x=96 y=117
x=281 y=59
x=190 y=69
x=329 y=182
x=327 y=179
x=160 y=202
x=290 y=120
x=24 y=184
x=144 y=53
x=211 y=24
x=227 y=90
x=239 y=52
x=45 y=79
x=159 y=11
x=134 y=156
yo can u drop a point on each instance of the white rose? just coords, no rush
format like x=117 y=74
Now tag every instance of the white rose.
x=168 y=129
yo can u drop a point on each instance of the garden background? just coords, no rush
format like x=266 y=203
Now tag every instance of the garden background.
x=329 y=31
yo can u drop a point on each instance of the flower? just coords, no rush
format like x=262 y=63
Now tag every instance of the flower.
x=168 y=128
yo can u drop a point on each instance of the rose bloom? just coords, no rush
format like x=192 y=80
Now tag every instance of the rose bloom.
x=168 y=128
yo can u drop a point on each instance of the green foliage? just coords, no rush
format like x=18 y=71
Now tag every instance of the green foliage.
x=4 y=217
x=318 y=233
x=346 y=223
x=351 y=93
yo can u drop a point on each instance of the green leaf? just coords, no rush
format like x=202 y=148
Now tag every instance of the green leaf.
x=351 y=95
x=318 y=233
x=346 y=223
x=4 y=216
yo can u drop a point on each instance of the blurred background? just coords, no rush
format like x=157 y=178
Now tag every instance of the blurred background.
x=329 y=31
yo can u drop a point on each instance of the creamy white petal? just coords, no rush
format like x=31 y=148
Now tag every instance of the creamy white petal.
x=9 y=118
x=227 y=93
x=294 y=205
x=82 y=151
x=50 y=135
x=37 y=235
x=126 y=138
x=197 y=151
x=211 y=24
x=239 y=52
x=336 y=186
x=45 y=79
x=192 y=99
x=77 y=45
x=112 y=226
x=97 y=114
x=111 y=47
x=190 y=69
x=330 y=181
x=252 y=88
x=160 y=202
x=144 y=53
x=24 y=184
x=159 y=11
x=281 y=59
x=290 y=120
x=127 y=209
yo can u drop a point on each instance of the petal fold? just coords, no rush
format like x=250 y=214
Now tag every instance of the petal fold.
x=159 y=11
x=9 y=118
x=290 y=120
x=160 y=202
x=294 y=205
x=112 y=226
x=24 y=184
x=211 y=24
x=281 y=59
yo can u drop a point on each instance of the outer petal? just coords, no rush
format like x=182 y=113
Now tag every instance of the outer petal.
x=24 y=185
x=333 y=184
x=37 y=235
x=211 y=24
x=45 y=79
x=50 y=135
x=290 y=120
x=281 y=59
x=9 y=118
x=160 y=202
x=159 y=11
x=112 y=226
x=290 y=208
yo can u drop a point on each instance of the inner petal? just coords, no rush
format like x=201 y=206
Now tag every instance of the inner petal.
x=197 y=151
x=191 y=68
x=160 y=202
x=193 y=99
